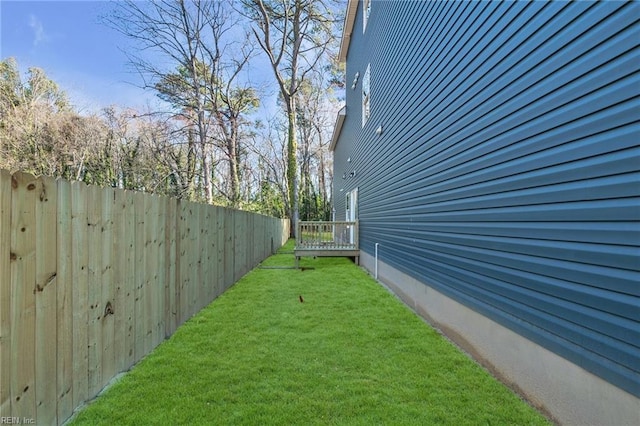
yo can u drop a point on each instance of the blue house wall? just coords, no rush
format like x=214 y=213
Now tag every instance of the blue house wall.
x=506 y=173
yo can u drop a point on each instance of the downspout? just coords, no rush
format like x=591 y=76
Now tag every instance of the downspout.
x=376 y=267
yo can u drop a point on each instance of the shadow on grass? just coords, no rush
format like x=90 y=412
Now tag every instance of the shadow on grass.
x=321 y=346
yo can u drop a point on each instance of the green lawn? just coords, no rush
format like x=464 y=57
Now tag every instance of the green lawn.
x=349 y=354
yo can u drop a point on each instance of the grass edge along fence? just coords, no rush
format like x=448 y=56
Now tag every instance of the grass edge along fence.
x=92 y=279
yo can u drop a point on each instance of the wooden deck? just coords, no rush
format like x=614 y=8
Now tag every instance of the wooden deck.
x=332 y=239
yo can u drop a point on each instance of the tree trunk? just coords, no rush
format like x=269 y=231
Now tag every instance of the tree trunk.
x=206 y=159
x=322 y=186
x=189 y=188
x=292 y=166
x=234 y=168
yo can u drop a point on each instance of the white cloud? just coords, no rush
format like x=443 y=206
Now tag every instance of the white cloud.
x=39 y=35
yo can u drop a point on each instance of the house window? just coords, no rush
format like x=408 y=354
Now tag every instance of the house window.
x=351 y=215
x=366 y=12
x=352 y=205
x=366 y=96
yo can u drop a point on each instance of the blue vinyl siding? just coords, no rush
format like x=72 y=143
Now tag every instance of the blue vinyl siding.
x=507 y=174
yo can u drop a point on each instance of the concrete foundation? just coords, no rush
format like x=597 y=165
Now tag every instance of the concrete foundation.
x=561 y=389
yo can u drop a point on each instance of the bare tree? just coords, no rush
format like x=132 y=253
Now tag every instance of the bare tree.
x=41 y=133
x=192 y=36
x=295 y=35
x=231 y=102
x=270 y=151
x=35 y=116
x=316 y=109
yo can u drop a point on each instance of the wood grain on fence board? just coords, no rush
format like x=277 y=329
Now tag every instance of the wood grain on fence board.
x=229 y=232
x=118 y=257
x=220 y=251
x=213 y=254
x=5 y=294
x=180 y=266
x=128 y=262
x=208 y=252
x=64 y=284
x=186 y=265
x=139 y=295
x=205 y=243
x=238 y=248
x=199 y=255
x=46 y=305
x=161 y=262
x=106 y=309
x=94 y=288
x=196 y=253
x=79 y=294
x=170 y=269
x=23 y=281
x=150 y=267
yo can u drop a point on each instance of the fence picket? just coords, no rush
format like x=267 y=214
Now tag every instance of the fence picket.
x=23 y=282
x=160 y=276
x=205 y=243
x=64 y=343
x=94 y=288
x=220 y=252
x=79 y=294
x=196 y=234
x=183 y=268
x=139 y=296
x=127 y=262
x=45 y=299
x=106 y=309
x=212 y=259
x=150 y=270
x=239 y=247
x=229 y=253
x=5 y=293
x=170 y=269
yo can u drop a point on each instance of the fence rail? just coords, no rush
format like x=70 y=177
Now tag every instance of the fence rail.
x=92 y=279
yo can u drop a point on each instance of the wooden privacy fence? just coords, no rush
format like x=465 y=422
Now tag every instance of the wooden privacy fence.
x=92 y=279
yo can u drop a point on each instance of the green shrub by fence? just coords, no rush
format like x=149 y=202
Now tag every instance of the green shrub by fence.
x=92 y=279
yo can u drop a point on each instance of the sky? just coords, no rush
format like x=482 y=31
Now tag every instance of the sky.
x=84 y=56
x=81 y=54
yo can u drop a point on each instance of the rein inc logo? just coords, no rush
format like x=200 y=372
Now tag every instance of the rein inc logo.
x=17 y=421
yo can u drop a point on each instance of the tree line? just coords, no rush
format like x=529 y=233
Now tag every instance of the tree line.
x=207 y=142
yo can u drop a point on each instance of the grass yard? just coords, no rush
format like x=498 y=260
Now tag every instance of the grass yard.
x=349 y=354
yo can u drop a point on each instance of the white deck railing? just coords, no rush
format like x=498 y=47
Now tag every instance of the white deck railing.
x=320 y=235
